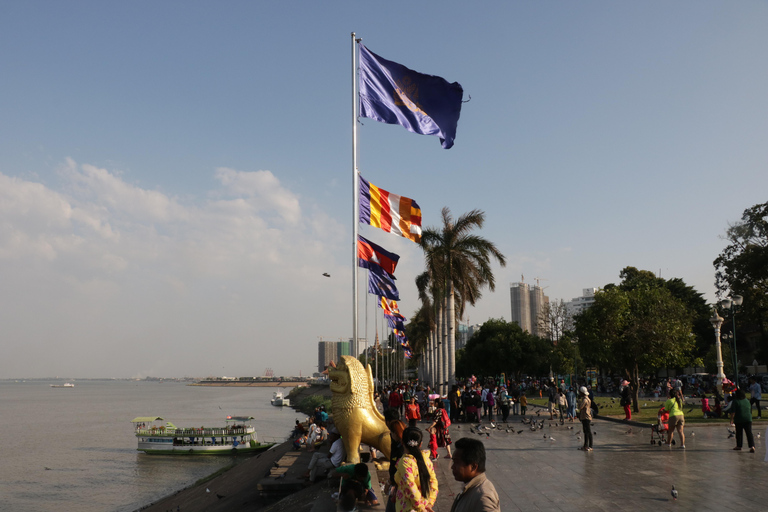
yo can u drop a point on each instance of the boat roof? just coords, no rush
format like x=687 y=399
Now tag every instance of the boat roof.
x=146 y=419
x=239 y=418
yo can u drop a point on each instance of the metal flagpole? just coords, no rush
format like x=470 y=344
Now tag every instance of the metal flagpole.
x=355 y=202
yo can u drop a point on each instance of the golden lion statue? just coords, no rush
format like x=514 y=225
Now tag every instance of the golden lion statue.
x=354 y=412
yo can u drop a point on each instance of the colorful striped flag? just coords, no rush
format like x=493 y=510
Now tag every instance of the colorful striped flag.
x=391 y=309
x=392 y=213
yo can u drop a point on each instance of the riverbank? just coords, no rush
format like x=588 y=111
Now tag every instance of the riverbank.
x=231 y=489
x=237 y=484
x=248 y=384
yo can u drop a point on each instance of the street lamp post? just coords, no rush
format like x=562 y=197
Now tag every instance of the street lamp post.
x=732 y=305
x=717 y=321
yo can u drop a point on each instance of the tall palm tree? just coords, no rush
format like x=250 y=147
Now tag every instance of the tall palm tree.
x=461 y=262
x=429 y=297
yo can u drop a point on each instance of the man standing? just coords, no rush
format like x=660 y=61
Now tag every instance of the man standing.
x=479 y=494
x=551 y=398
x=756 y=395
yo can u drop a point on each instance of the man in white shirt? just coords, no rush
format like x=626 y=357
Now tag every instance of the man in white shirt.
x=323 y=462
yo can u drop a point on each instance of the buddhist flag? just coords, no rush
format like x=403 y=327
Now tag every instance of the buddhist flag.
x=368 y=253
x=392 y=213
x=393 y=94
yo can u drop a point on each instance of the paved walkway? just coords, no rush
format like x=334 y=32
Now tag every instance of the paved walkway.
x=544 y=470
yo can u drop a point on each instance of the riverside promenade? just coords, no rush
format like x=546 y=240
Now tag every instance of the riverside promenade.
x=545 y=470
x=539 y=471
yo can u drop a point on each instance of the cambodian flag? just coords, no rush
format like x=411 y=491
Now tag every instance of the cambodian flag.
x=368 y=253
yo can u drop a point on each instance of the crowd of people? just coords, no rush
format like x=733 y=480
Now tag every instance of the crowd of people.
x=412 y=484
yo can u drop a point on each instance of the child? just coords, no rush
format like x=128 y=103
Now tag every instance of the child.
x=432 y=442
x=663 y=418
x=523 y=403
x=705 y=409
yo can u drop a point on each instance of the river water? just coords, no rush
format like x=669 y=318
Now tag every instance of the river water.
x=74 y=449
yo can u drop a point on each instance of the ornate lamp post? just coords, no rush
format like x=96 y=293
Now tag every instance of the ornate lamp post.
x=732 y=305
x=716 y=322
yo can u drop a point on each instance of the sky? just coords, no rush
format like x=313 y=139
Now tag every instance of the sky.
x=175 y=177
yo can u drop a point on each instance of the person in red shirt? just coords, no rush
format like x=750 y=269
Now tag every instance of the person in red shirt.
x=412 y=412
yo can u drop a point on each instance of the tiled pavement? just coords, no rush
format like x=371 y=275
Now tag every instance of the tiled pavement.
x=623 y=473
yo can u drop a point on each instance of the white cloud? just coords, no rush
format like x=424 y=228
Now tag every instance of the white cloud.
x=263 y=190
x=114 y=271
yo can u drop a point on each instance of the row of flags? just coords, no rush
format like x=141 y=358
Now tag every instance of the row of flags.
x=425 y=104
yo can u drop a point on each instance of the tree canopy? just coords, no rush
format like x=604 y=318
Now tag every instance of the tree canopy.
x=636 y=328
x=503 y=347
x=742 y=268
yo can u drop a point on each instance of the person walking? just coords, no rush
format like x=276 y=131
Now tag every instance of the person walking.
x=674 y=406
x=755 y=396
x=585 y=416
x=570 y=397
x=440 y=423
x=741 y=417
x=552 y=399
x=562 y=405
x=412 y=412
x=626 y=402
x=479 y=494
x=490 y=400
x=503 y=401
x=415 y=476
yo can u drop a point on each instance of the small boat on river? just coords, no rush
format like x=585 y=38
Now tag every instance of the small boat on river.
x=65 y=385
x=279 y=400
x=236 y=437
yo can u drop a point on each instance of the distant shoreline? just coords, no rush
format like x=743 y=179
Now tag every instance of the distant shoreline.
x=249 y=384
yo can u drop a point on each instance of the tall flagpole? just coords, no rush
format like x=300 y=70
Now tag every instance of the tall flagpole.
x=355 y=202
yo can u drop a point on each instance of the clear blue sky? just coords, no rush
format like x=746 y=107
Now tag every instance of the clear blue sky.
x=176 y=176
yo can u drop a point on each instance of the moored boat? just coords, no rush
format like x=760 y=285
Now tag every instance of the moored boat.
x=279 y=400
x=236 y=437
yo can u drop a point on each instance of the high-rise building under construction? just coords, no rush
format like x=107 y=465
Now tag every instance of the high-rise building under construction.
x=528 y=304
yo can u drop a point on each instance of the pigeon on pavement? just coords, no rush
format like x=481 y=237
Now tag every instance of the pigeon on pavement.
x=674 y=493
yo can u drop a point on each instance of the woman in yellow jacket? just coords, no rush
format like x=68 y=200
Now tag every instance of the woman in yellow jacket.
x=415 y=476
x=674 y=406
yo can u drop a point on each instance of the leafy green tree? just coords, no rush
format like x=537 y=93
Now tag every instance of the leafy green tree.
x=636 y=328
x=503 y=347
x=565 y=357
x=742 y=268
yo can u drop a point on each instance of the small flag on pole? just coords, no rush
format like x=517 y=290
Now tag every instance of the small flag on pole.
x=393 y=94
x=392 y=213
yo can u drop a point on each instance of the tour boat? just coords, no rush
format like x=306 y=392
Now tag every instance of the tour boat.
x=237 y=437
x=278 y=400
x=65 y=385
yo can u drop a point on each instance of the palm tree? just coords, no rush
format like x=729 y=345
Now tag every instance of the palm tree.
x=461 y=263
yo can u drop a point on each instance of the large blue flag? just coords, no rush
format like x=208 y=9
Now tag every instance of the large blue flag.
x=381 y=283
x=391 y=93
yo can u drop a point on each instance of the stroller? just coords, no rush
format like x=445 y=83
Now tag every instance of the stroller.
x=660 y=430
